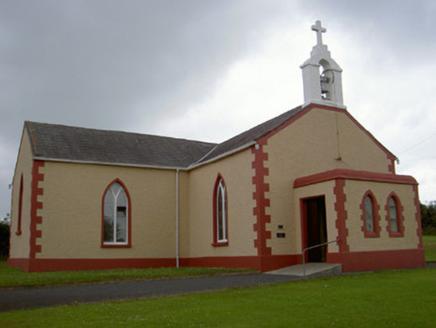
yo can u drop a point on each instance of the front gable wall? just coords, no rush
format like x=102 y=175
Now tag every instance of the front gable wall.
x=319 y=140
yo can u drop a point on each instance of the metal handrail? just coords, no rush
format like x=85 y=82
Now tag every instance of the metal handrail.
x=311 y=247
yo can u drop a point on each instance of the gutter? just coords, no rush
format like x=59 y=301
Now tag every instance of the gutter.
x=177 y=219
x=192 y=166
x=48 y=159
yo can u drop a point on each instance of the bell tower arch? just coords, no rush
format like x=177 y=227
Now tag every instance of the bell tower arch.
x=322 y=76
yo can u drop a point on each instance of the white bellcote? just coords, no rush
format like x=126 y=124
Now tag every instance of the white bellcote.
x=322 y=87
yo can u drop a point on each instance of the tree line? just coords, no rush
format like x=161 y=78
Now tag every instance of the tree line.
x=428 y=218
x=4 y=237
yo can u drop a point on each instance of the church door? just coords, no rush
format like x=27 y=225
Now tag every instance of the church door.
x=316 y=228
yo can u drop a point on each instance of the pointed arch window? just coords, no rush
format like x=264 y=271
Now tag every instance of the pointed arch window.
x=116 y=216
x=370 y=216
x=20 y=207
x=394 y=216
x=220 y=222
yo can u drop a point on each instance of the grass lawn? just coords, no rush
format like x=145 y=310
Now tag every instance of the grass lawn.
x=10 y=277
x=429 y=247
x=404 y=298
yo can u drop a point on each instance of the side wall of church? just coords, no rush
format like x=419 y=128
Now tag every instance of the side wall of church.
x=237 y=173
x=319 y=141
x=20 y=245
x=72 y=211
x=184 y=227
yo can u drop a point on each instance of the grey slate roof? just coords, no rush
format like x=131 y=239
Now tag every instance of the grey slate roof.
x=90 y=145
x=60 y=142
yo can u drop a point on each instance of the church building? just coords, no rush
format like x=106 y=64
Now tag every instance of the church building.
x=87 y=199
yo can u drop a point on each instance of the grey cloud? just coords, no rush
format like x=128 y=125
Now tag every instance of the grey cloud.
x=110 y=64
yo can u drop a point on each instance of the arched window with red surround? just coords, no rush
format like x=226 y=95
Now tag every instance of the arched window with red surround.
x=370 y=216
x=20 y=208
x=394 y=216
x=220 y=213
x=116 y=222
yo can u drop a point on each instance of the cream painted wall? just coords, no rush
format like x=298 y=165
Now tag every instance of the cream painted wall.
x=237 y=173
x=381 y=191
x=184 y=232
x=72 y=212
x=20 y=245
x=320 y=141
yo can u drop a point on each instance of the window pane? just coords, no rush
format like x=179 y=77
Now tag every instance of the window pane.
x=121 y=224
x=115 y=188
x=369 y=214
x=108 y=226
x=122 y=199
x=220 y=213
x=393 y=215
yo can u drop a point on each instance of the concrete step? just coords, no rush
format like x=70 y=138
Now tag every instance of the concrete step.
x=312 y=270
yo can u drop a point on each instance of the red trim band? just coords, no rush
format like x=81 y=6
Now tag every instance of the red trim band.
x=342 y=215
x=378 y=260
x=353 y=175
x=261 y=187
x=35 y=205
x=41 y=265
x=259 y=263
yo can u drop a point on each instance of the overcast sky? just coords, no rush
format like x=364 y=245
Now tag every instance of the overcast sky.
x=208 y=70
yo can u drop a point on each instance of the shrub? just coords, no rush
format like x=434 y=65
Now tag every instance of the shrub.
x=428 y=218
x=4 y=239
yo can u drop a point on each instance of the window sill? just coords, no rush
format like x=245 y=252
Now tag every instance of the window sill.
x=221 y=243
x=372 y=235
x=116 y=246
x=396 y=235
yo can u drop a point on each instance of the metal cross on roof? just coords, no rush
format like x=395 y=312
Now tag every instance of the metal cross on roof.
x=319 y=31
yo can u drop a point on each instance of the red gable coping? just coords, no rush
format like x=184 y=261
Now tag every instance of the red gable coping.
x=354 y=175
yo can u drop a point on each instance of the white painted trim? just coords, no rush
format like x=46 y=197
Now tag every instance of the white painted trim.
x=107 y=163
x=192 y=166
x=324 y=103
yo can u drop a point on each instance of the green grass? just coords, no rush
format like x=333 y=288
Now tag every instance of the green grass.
x=10 y=277
x=404 y=298
x=429 y=247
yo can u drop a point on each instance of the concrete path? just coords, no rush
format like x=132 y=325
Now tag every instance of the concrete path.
x=17 y=299
x=310 y=269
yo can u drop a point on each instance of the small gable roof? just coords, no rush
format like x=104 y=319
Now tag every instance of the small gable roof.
x=66 y=143
x=250 y=136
